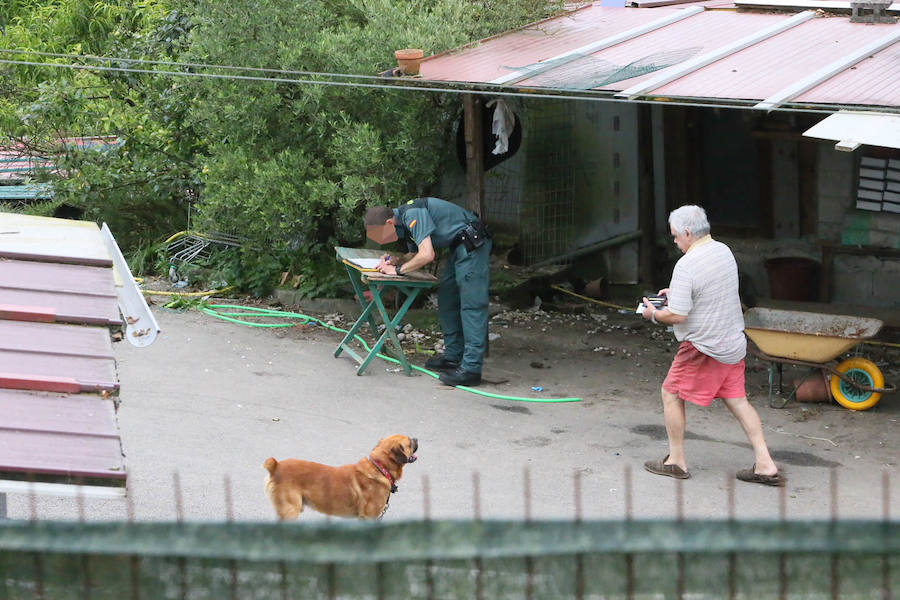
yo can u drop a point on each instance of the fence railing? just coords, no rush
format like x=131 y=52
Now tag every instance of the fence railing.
x=490 y=559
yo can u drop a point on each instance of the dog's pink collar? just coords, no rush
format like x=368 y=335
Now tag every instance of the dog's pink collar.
x=384 y=472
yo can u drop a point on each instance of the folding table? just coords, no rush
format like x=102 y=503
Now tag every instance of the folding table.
x=377 y=283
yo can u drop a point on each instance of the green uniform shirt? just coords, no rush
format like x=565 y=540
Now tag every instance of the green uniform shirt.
x=441 y=220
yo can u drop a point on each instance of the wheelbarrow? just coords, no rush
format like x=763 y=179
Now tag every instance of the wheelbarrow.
x=816 y=340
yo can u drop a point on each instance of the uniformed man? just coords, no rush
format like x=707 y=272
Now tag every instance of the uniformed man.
x=426 y=224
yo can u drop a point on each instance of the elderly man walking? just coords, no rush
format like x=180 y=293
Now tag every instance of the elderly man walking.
x=704 y=308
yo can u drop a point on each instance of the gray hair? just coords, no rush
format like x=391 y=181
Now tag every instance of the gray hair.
x=689 y=218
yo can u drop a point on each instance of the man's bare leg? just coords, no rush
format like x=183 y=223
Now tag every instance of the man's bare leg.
x=749 y=420
x=673 y=413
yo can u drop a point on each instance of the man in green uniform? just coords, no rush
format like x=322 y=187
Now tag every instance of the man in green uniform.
x=426 y=224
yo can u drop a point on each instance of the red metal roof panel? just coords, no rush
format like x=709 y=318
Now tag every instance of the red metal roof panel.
x=501 y=55
x=86 y=414
x=629 y=63
x=873 y=81
x=58 y=437
x=70 y=293
x=39 y=352
x=752 y=73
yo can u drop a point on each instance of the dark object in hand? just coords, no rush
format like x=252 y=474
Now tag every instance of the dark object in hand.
x=658 y=301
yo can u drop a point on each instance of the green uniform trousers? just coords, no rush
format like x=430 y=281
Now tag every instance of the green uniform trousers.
x=463 y=305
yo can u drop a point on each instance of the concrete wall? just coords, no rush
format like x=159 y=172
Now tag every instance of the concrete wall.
x=865 y=280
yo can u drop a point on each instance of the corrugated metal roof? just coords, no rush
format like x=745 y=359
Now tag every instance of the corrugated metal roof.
x=873 y=81
x=66 y=293
x=500 y=55
x=14 y=166
x=753 y=73
x=789 y=56
x=642 y=57
x=58 y=357
x=46 y=437
x=64 y=430
x=56 y=438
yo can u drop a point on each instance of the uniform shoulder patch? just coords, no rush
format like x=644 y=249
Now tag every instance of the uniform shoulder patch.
x=413 y=222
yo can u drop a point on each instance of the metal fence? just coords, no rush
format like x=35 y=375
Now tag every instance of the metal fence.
x=626 y=559
x=610 y=559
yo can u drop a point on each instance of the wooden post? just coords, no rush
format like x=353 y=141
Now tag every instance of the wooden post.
x=474 y=133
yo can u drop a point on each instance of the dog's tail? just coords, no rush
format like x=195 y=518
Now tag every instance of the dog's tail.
x=270 y=465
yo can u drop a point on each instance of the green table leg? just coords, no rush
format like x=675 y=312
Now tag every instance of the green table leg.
x=390 y=326
x=411 y=290
x=356 y=282
x=345 y=343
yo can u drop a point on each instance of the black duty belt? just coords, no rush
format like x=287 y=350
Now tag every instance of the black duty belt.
x=473 y=236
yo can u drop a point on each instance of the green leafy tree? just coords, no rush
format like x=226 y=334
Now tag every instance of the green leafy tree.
x=287 y=165
x=291 y=166
x=139 y=174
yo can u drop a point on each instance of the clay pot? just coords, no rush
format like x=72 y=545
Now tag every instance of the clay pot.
x=408 y=60
x=814 y=388
x=596 y=289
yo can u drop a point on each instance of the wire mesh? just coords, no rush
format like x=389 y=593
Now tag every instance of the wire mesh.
x=585 y=72
x=548 y=201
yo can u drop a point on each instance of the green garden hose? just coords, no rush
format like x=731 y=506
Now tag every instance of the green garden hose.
x=251 y=312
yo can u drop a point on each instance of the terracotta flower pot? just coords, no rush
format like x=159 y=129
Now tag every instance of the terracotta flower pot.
x=408 y=60
x=813 y=388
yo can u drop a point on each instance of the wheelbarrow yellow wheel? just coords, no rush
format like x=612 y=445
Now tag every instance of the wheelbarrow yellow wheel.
x=863 y=372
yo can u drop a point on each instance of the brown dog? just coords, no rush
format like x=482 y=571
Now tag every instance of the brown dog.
x=358 y=490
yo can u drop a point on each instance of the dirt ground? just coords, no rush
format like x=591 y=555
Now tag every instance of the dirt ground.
x=610 y=356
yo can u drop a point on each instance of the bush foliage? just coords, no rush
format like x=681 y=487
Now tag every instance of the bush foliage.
x=288 y=165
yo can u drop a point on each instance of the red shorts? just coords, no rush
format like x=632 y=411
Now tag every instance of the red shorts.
x=700 y=379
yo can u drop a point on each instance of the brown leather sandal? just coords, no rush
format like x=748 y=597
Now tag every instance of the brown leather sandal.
x=751 y=476
x=659 y=467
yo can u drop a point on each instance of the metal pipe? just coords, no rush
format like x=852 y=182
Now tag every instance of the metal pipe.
x=615 y=241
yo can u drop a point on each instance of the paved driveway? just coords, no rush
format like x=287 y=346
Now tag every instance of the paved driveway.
x=209 y=401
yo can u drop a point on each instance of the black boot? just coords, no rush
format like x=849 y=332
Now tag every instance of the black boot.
x=439 y=363
x=460 y=377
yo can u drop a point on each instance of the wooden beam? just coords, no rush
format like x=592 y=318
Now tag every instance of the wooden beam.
x=474 y=135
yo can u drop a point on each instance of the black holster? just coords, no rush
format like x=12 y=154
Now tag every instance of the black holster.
x=473 y=236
